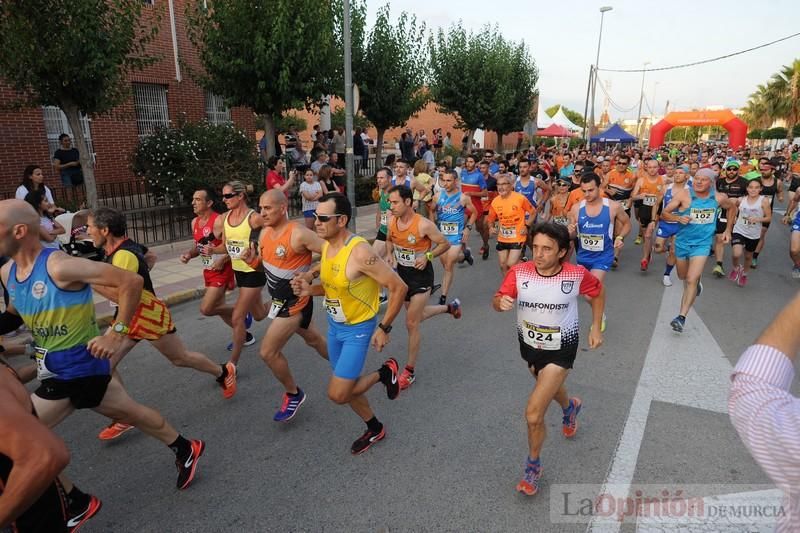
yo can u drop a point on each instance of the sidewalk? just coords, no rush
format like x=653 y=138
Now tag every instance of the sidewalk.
x=176 y=283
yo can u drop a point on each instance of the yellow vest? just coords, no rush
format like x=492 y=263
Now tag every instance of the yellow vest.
x=347 y=302
x=237 y=239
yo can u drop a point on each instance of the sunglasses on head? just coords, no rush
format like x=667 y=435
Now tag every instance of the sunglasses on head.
x=230 y=195
x=325 y=218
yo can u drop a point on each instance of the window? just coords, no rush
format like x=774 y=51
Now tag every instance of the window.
x=152 y=113
x=55 y=123
x=216 y=110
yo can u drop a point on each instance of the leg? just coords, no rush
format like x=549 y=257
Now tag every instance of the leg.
x=249 y=301
x=448 y=263
x=275 y=339
x=748 y=261
x=599 y=274
x=502 y=261
x=693 y=270
x=415 y=310
x=512 y=258
x=737 y=250
x=548 y=384
x=172 y=347
x=213 y=304
x=760 y=246
x=719 y=251
x=794 y=248
x=51 y=412
x=648 y=241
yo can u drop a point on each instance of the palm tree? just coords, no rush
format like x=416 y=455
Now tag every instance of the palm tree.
x=757 y=113
x=783 y=95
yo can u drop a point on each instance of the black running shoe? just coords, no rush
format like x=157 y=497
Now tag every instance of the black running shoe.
x=392 y=384
x=485 y=253
x=442 y=299
x=188 y=467
x=79 y=517
x=365 y=441
x=468 y=257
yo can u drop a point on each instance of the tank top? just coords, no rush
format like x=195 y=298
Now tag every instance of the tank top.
x=347 y=301
x=408 y=243
x=61 y=323
x=237 y=238
x=450 y=213
x=702 y=226
x=281 y=263
x=747 y=211
x=383 y=207
x=666 y=201
x=770 y=191
x=595 y=234
x=528 y=191
x=204 y=235
x=558 y=210
x=651 y=190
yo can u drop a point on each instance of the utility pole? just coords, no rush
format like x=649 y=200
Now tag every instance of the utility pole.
x=603 y=11
x=348 y=116
x=641 y=99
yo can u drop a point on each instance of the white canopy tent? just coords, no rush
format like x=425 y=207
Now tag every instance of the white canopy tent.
x=561 y=119
x=542 y=119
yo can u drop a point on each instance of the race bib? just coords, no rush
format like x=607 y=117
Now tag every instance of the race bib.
x=508 y=232
x=448 y=228
x=747 y=221
x=334 y=309
x=275 y=308
x=40 y=354
x=592 y=243
x=702 y=216
x=235 y=248
x=207 y=261
x=405 y=256
x=384 y=218
x=650 y=200
x=542 y=337
x=561 y=220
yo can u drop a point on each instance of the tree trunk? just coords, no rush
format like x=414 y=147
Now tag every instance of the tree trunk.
x=379 y=148
x=471 y=133
x=72 y=113
x=269 y=133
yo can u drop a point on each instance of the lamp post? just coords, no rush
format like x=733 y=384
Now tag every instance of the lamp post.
x=348 y=116
x=641 y=99
x=603 y=11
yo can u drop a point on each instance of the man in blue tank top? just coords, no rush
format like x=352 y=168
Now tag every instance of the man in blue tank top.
x=794 y=242
x=695 y=209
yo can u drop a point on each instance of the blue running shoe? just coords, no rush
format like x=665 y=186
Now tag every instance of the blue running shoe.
x=248 y=321
x=290 y=405
x=569 y=424
x=529 y=485
x=677 y=323
x=248 y=341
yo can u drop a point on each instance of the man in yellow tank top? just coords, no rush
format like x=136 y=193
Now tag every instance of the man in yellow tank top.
x=408 y=246
x=351 y=275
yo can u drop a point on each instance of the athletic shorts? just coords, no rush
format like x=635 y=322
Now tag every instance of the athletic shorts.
x=46 y=514
x=683 y=251
x=500 y=246
x=348 y=346
x=665 y=231
x=477 y=205
x=152 y=320
x=796 y=222
x=301 y=306
x=83 y=393
x=381 y=236
x=644 y=214
x=254 y=279
x=217 y=279
x=538 y=359
x=740 y=240
x=418 y=281
x=309 y=213
x=598 y=264
x=794 y=184
x=766 y=224
x=637 y=205
x=722 y=225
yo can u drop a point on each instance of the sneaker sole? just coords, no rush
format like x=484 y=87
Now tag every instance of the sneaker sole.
x=294 y=413
x=676 y=327
x=523 y=489
x=194 y=467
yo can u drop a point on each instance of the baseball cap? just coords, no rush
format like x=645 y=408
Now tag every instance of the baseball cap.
x=732 y=163
x=600 y=159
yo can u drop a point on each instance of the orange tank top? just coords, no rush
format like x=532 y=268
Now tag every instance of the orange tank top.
x=651 y=190
x=281 y=261
x=408 y=243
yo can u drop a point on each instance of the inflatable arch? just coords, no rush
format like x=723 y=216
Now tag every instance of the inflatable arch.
x=737 y=129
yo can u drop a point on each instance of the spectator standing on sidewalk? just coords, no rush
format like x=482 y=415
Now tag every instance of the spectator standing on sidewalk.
x=67 y=162
x=275 y=179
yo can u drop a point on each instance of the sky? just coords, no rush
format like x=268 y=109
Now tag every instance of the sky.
x=562 y=39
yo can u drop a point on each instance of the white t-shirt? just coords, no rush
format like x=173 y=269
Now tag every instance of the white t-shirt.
x=312 y=187
x=22 y=192
x=48 y=225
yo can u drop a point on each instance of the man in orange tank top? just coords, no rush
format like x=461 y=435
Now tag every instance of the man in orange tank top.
x=408 y=246
x=649 y=192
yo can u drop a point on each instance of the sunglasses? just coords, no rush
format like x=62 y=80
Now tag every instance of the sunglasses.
x=731 y=169
x=325 y=218
x=230 y=195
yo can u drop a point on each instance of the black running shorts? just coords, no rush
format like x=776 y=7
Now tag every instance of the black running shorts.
x=83 y=393
x=538 y=359
x=740 y=240
x=253 y=279
x=500 y=246
x=418 y=281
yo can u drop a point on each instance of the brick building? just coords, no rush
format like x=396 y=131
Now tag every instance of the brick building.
x=160 y=94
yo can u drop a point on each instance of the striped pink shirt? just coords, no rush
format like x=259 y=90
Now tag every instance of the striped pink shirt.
x=767 y=418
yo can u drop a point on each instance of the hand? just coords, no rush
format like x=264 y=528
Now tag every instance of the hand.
x=205 y=249
x=506 y=303
x=104 y=346
x=786 y=219
x=684 y=220
x=465 y=236
x=300 y=286
x=726 y=237
x=185 y=258
x=493 y=231
x=421 y=262
x=524 y=230
x=618 y=243
x=595 y=338
x=249 y=253
x=379 y=339
x=572 y=228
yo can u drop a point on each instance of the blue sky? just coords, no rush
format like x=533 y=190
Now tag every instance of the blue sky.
x=562 y=38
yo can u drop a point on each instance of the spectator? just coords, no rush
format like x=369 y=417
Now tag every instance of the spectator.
x=406 y=146
x=326 y=180
x=359 y=149
x=275 y=179
x=320 y=160
x=448 y=140
x=339 y=143
x=427 y=156
x=49 y=229
x=33 y=179
x=67 y=162
x=423 y=192
x=310 y=192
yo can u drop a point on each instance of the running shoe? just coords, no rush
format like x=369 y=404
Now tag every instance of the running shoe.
x=442 y=299
x=796 y=272
x=289 y=406
x=742 y=280
x=392 y=382
x=615 y=264
x=699 y=288
x=248 y=341
x=529 y=485
x=667 y=281
x=229 y=383
x=406 y=379
x=484 y=252
x=383 y=298
x=365 y=441
x=734 y=275
x=754 y=263
x=638 y=240
x=677 y=324
x=76 y=518
x=569 y=424
x=468 y=257
x=643 y=265
x=248 y=320
x=188 y=467
x=114 y=430
x=718 y=271
x=455 y=308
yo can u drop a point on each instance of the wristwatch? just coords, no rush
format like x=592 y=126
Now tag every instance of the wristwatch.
x=120 y=328
x=468 y=226
x=429 y=255
x=386 y=329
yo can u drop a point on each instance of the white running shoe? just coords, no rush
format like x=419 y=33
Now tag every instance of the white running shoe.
x=667 y=281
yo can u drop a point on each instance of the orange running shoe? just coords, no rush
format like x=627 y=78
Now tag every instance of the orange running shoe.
x=229 y=383
x=80 y=516
x=188 y=467
x=529 y=484
x=406 y=379
x=114 y=430
x=569 y=424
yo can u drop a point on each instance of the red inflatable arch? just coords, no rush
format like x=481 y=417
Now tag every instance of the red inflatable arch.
x=737 y=129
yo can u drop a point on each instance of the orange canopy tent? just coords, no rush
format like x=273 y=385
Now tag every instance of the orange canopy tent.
x=737 y=129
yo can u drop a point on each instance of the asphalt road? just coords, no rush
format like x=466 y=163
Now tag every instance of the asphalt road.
x=456 y=442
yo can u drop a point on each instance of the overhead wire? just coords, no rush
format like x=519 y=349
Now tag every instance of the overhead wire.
x=611 y=101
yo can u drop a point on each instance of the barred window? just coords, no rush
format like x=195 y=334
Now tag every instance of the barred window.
x=55 y=123
x=217 y=112
x=152 y=113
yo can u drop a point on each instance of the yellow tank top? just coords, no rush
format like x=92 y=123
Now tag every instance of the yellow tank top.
x=347 y=302
x=237 y=238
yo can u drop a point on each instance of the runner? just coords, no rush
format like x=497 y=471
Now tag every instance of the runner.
x=285 y=251
x=733 y=186
x=753 y=210
x=473 y=185
x=351 y=275
x=696 y=210
x=451 y=207
x=547 y=290
x=772 y=186
x=648 y=191
x=383 y=179
x=515 y=215
x=74 y=366
x=794 y=239
x=409 y=246
x=619 y=186
x=665 y=234
x=527 y=184
x=559 y=213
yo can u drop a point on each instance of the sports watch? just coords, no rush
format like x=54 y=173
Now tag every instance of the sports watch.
x=386 y=329
x=120 y=328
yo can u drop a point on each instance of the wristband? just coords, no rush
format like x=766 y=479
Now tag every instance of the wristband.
x=429 y=255
x=620 y=238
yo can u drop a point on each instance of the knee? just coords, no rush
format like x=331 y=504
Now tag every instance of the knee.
x=534 y=416
x=268 y=355
x=658 y=248
x=208 y=309
x=179 y=360
x=412 y=323
x=338 y=396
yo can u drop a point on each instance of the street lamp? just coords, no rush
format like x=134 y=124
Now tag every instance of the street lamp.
x=641 y=99
x=596 y=66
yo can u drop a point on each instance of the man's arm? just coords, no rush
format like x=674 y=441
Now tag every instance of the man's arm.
x=546 y=189
x=622 y=222
x=369 y=264
x=635 y=194
x=304 y=238
x=668 y=213
x=430 y=230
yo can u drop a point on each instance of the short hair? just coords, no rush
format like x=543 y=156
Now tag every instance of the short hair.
x=238 y=186
x=754 y=180
x=590 y=177
x=113 y=219
x=404 y=161
x=61 y=137
x=483 y=163
x=557 y=232
x=272 y=162
x=211 y=196
x=470 y=156
x=384 y=169
x=623 y=157
x=404 y=192
x=341 y=202
x=452 y=173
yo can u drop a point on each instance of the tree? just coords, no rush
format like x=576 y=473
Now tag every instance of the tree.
x=74 y=55
x=337 y=119
x=391 y=72
x=574 y=116
x=784 y=95
x=256 y=53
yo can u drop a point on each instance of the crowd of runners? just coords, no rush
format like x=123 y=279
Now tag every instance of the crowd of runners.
x=558 y=219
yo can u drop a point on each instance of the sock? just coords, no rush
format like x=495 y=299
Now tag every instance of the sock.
x=410 y=369
x=181 y=447
x=294 y=395
x=534 y=462
x=719 y=263
x=682 y=317
x=77 y=500
x=374 y=425
x=668 y=270
x=224 y=374
x=569 y=407
x=755 y=255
